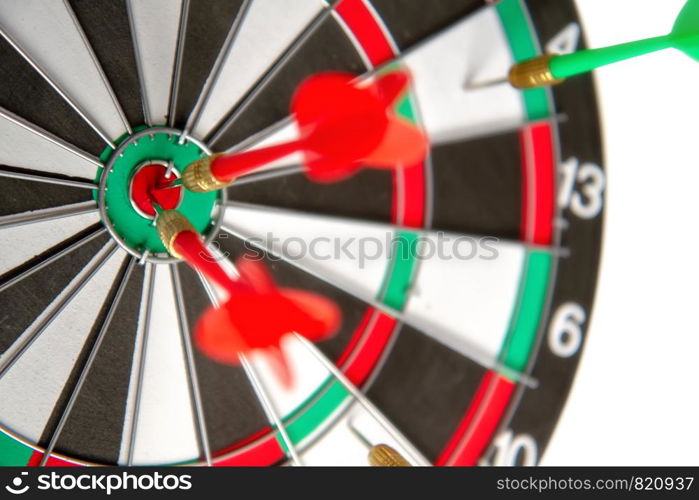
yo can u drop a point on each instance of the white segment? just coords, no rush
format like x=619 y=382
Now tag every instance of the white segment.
x=466 y=304
x=22 y=243
x=22 y=148
x=288 y=233
x=46 y=31
x=156 y=25
x=462 y=301
x=340 y=446
x=30 y=389
x=443 y=66
x=307 y=375
x=166 y=431
x=132 y=394
x=269 y=28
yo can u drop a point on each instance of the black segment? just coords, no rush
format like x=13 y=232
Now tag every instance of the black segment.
x=106 y=25
x=21 y=195
x=208 y=24
x=424 y=389
x=93 y=431
x=478 y=186
x=24 y=301
x=366 y=195
x=231 y=409
x=411 y=21
x=25 y=93
x=328 y=49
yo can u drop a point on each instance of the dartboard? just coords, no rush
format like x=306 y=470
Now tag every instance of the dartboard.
x=465 y=282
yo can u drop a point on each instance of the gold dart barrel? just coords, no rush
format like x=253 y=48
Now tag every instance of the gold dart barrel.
x=383 y=455
x=197 y=177
x=533 y=73
x=169 y=224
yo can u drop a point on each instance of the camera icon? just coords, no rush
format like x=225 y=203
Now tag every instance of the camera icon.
x=16 y=487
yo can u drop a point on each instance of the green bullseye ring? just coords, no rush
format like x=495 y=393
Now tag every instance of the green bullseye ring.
x=133 y=231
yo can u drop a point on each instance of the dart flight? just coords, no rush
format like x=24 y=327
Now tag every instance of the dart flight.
x=257 y=314
x=344 y=126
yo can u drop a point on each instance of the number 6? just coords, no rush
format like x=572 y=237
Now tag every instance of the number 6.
x=565 y=333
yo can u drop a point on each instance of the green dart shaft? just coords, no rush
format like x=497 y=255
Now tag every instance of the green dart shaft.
x=553 y=69
x=565 y=66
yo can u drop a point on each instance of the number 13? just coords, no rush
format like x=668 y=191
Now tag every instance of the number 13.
x=582 y=188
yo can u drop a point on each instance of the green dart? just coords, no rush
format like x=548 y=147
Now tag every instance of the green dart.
x=553 y=69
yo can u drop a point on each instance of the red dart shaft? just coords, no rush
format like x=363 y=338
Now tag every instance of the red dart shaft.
x=344 y=124
x=227 y=168
x=190 y=247
x=183 y=241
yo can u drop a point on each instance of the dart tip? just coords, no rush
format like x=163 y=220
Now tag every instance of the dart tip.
x=476 y=85
x=198 y=178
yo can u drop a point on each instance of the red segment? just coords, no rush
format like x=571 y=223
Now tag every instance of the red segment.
x=370 y=349
x=148 y=184
x=538 y=180
x=480 y=422
x=356 y=337
x=410 y=182
x=261 y=454
x=36 y=457
x=367 y=30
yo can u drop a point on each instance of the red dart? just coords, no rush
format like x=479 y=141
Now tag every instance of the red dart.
x=257 y=314
x=261 y=317
x=344 y=126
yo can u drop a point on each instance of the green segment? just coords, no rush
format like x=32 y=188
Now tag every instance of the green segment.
x=137 y=231
x=402 y=268
x=406 y=110
x=523 y=44
x=302 y=427
x=523 y=328
x=13 y=452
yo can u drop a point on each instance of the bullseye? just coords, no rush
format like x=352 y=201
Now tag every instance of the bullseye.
x=140 y=178
x=152 y=180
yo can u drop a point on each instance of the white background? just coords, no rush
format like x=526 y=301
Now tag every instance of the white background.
x=636 y=396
